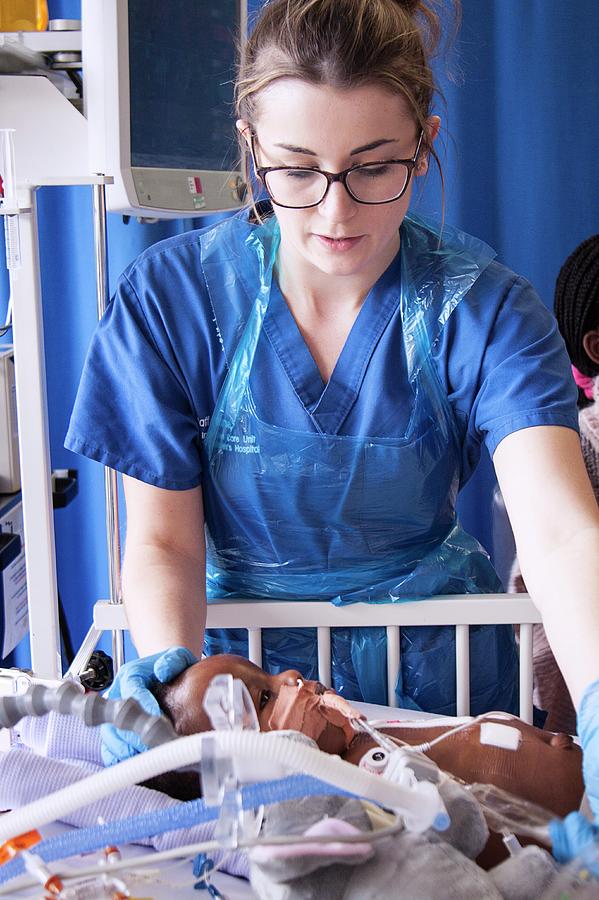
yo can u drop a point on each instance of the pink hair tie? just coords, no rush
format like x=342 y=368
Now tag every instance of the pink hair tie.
x=584 y=382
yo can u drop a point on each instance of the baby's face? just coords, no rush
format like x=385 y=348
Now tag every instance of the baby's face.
x=184 y=697
x=285 y=701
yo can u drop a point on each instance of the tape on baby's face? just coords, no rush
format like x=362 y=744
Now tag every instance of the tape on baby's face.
x=323 y=717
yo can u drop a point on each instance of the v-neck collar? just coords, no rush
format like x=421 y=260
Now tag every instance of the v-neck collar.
x=329 y=404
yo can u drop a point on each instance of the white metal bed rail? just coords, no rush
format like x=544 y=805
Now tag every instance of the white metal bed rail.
x=460 y=611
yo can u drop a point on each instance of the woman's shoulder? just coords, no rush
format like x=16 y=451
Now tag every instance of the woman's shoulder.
x=186 y=249
x=498 y=282
x=501 y=307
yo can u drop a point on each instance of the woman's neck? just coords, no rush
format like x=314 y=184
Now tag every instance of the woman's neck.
x=318 y=295
x=306 y=287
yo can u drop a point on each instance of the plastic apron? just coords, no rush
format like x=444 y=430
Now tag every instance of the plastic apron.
x=298 y=516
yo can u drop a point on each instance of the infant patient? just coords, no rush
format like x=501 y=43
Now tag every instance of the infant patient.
x=546 y=769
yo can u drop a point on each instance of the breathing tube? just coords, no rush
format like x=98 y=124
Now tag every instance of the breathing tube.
x=418 y=805
x=91 y=708
x=184 y=815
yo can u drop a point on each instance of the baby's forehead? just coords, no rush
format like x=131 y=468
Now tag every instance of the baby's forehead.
x=227 y=663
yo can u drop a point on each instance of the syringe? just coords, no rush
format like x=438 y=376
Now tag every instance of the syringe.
x=8 y=200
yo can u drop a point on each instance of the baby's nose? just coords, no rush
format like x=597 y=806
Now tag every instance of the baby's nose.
x=316 y=687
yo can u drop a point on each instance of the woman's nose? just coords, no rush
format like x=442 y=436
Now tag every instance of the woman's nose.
x=337 y=205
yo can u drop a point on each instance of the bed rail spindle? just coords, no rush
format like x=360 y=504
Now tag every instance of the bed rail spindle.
x=526 y=673
x=462 y=669
x=393 y=661
x=255 y=646
x=324 y=655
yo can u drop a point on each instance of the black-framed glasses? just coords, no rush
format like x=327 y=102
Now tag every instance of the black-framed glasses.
x=300 y=187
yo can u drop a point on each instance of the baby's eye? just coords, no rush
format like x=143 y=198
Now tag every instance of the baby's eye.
x=265 y=698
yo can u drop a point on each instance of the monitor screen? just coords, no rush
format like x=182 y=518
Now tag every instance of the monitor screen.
x=182 y=115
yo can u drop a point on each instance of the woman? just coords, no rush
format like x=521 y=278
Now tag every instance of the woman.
x=295 y=403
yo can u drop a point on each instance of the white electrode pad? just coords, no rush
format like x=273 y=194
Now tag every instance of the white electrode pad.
x=497 y=735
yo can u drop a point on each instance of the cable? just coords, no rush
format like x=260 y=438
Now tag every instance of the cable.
x=65 y=632
x=191 y=850
x=425 y=746
x=8 y=320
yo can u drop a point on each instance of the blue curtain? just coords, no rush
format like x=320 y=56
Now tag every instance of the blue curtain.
x=521 y=160
x=520 y=163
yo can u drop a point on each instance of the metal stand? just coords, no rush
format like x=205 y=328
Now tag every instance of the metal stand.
x=41 y=116
x=110 y=476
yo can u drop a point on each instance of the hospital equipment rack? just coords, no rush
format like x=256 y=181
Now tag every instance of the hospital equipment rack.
x=42 y=116
x=460 y=610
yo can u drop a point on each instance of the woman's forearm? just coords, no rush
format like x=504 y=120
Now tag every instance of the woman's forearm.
x=164 y=570
x=165 y=598
x=555 y=520
x=565 y=587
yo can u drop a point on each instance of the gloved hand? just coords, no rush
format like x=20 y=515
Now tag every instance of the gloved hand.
x=588 y=730
x=135 y=679
x=571 y=835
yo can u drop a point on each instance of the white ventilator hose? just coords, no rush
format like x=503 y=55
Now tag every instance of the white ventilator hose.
x=418 y=805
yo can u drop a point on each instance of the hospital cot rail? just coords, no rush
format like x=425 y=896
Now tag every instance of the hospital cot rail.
x=460 y=610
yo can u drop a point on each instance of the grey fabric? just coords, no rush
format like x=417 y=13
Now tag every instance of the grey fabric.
x=295 y=817
x=405 y=865
x=306 y=877
x=410 y=867
x=329 y=883
x=526 y=875
x=468 y=830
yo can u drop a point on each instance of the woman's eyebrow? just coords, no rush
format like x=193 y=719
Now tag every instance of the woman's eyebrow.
x=372 y=146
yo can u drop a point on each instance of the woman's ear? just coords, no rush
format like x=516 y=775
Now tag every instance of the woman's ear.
x=590 y=343
x=433 y=123
x=245 y=130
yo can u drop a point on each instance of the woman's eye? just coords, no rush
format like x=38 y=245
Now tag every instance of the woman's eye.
x=374 y=171
x=265 y=698
x=299 y=174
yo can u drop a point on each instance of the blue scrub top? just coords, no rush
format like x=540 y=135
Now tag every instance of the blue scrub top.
x=157 y=362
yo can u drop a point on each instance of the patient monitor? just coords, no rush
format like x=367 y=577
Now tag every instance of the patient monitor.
x=158 y=81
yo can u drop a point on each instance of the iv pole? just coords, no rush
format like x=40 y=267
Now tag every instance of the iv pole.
x=110 y=476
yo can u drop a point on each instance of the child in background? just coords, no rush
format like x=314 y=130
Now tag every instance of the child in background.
x=577 y=313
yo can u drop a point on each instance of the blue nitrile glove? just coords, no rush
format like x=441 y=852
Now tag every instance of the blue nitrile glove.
x=570 y=836
x=135 y=679
x=588 y=730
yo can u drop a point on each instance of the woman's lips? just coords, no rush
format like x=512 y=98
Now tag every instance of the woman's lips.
x=339 y=245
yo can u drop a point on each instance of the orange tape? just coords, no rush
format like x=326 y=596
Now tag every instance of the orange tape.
x=9 y=849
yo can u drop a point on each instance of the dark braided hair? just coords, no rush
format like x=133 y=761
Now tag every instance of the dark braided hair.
x=577 y=302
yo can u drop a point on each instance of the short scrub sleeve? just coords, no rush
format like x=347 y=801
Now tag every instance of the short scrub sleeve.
x=133 y=412
x=505 y=363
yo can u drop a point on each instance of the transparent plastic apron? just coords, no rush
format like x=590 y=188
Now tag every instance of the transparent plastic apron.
x=310 y=516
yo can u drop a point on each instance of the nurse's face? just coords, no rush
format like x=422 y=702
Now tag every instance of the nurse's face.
x=299 y=124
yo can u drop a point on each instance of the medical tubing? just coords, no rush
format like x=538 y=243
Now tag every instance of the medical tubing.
x=418 y=809
x=91 y=708
x=183 y=815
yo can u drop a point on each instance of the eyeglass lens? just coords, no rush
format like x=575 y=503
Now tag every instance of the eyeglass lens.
x=371 y=184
